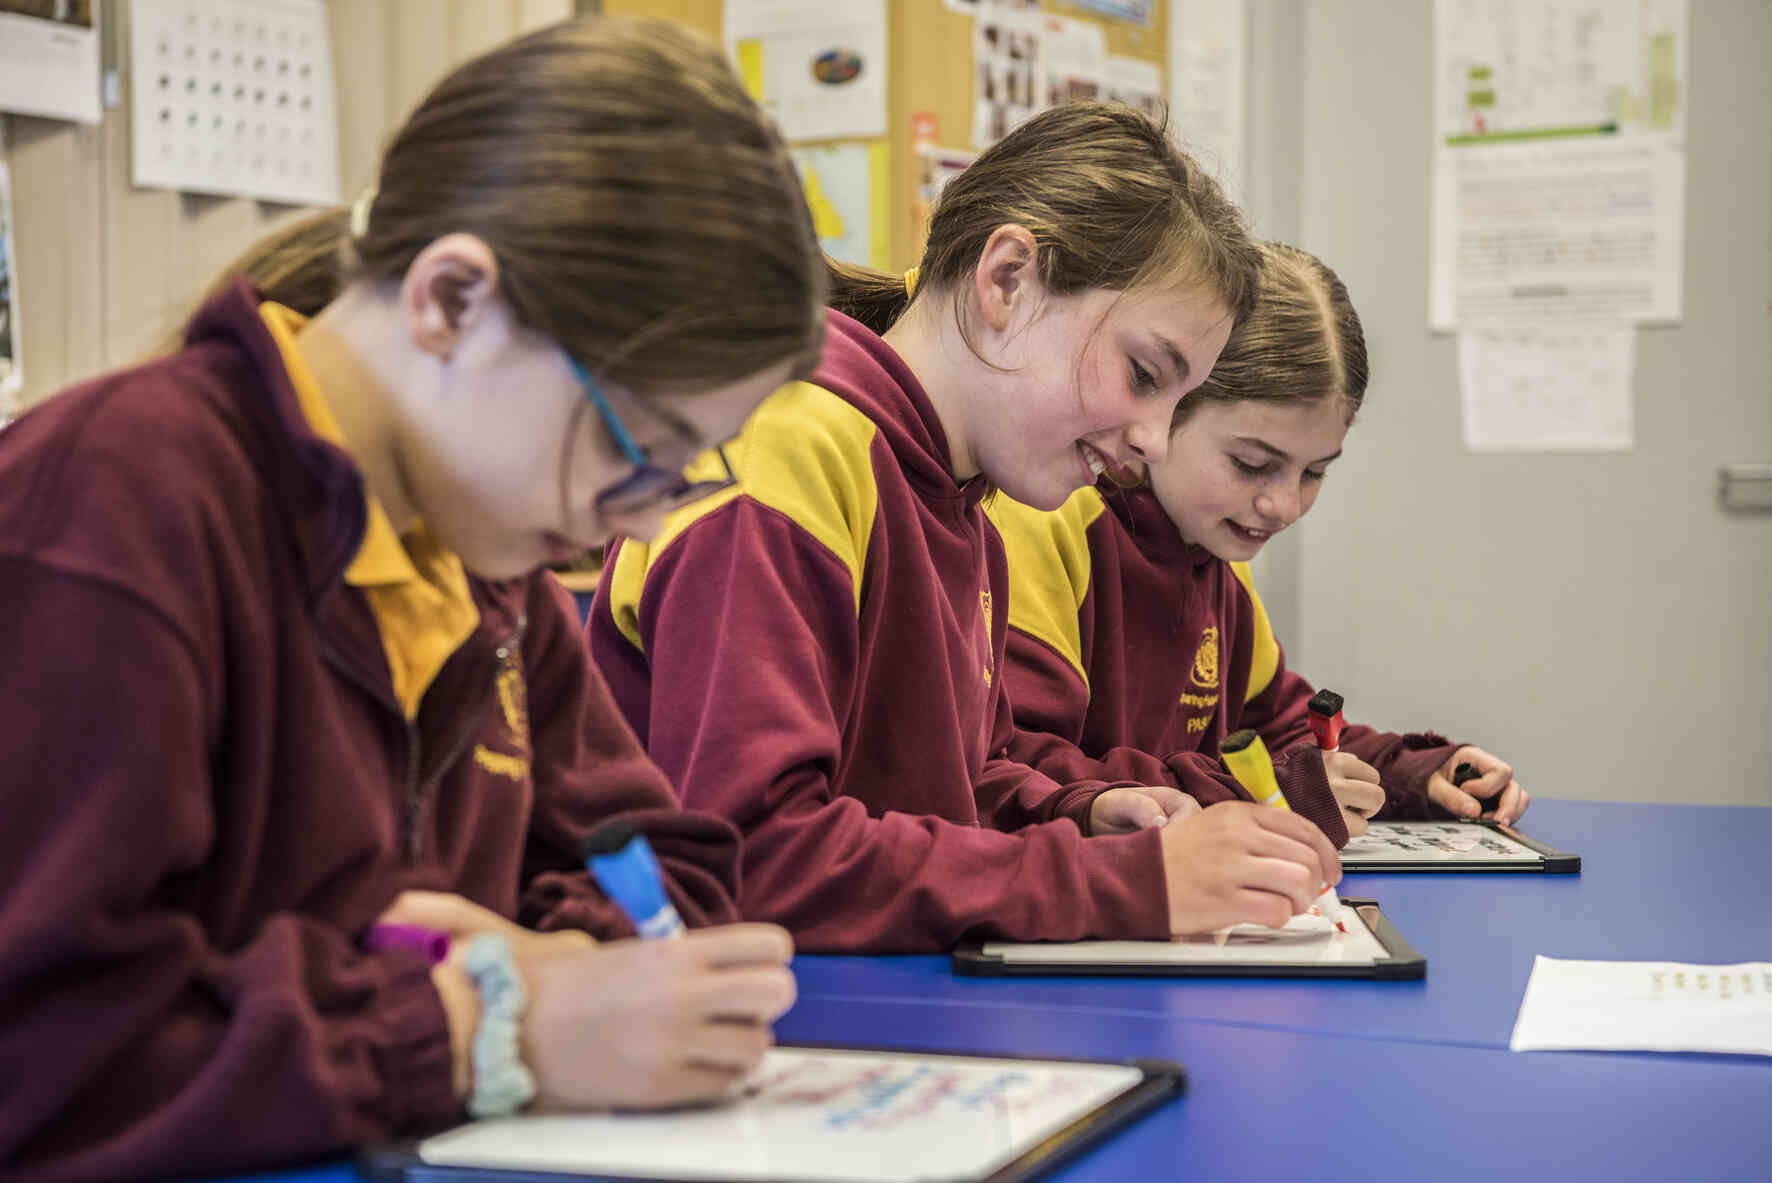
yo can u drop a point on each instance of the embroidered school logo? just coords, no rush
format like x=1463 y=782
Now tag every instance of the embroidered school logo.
x=1205 y=671
x=513 y=703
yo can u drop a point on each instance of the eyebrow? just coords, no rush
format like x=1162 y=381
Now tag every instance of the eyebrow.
x=1280 y=454
x=1175 y=357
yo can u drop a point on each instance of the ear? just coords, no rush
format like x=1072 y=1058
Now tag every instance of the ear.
x=1007 y=278
x=448 y=288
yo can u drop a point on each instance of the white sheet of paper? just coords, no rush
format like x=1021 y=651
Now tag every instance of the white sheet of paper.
x=827 y=1114
x=1657 y=1006
x=819 y=69
x=1548 y=388
x=50 y=68
x=1304 y=938
x=1397 y=842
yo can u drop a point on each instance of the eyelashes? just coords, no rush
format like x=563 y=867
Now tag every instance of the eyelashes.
x=1142 y=379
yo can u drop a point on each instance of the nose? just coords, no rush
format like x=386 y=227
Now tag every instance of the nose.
x=1281 y=503
x=1148 y=435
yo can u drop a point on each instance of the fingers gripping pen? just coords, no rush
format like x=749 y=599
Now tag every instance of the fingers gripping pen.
x=1246 y=756
x=622 y=863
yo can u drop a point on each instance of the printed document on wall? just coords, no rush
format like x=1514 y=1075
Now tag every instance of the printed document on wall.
x=1206 y=84
x=49 y=59
x=818 y=68
x=1547 y=388
x=1559 y=161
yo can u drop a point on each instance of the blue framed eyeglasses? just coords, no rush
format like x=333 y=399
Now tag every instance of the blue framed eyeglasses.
x=648 y=486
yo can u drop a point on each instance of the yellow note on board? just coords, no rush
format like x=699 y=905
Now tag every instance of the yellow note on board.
x=750 y=66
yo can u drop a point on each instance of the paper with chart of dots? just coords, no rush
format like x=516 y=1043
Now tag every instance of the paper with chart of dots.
x=234 y=97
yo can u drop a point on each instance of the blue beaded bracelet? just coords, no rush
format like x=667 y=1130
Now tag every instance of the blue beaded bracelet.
x=502 y=1084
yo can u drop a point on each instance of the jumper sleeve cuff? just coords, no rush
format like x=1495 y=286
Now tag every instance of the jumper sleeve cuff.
x=1130 y=886
x=1302 y=778
x=420 y=1071
x=1405 y=781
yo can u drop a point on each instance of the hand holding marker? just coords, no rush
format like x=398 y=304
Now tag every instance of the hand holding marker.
x=1246 y=756
x=622 y=863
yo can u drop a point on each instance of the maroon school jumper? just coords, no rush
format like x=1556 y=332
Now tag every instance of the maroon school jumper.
x=815 y=656
x=1133 y=654
x=210 y=790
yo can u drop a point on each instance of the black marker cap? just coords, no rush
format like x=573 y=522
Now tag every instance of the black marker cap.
x=610 y=838
x=1236 y=741
x=1326 y=703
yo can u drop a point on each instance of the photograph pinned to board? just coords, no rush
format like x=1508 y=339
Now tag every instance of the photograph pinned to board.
x=1008 y=50
x=1461 y=845
x=818 y=69
x=1308 y=946
x=820 y=1113
x=49 y=58
x=12 y=374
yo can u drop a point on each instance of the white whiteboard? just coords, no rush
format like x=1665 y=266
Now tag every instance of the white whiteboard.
x=1447 y=842
x=828 y=1114
x=1305 y=938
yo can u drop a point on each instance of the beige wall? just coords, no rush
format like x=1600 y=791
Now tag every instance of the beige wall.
x=105 y=270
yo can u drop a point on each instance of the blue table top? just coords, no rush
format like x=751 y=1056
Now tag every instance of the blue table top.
x=1275 y=1105
x=1658 y=883
x=1328 y=1079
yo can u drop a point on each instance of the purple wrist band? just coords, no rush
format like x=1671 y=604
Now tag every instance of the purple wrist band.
x=428 y=941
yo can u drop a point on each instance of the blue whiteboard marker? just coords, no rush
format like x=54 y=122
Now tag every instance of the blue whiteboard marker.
x=622 y=863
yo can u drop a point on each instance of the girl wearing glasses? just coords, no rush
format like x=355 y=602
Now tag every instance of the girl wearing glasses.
x=282 y=671
x=817 y=654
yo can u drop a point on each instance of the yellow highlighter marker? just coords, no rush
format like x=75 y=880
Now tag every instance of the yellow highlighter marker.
x=1246 y=756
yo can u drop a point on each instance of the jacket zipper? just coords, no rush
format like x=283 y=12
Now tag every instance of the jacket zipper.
x=414 y=795
x=419 y=794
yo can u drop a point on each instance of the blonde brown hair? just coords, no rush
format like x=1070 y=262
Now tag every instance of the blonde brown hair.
x=1301 y=343
x=1111 y=203
x=644 y=213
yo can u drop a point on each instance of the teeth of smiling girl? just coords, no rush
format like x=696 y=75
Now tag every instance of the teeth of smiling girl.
x=1097 y=465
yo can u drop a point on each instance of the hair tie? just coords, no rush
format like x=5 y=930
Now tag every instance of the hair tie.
x=910 y=282
x=360 y=211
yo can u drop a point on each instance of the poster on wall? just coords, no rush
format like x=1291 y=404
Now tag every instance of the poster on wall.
x=846 y=187
x=818 y=69
x=12 y=375
x=49 y=58
x=234 y=97
x=1008 y=68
